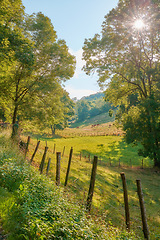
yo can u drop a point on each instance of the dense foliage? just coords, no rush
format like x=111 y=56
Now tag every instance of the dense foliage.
x=34 y=63
x=127 y=59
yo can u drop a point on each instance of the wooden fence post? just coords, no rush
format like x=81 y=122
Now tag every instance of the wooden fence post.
x=43 y=160
x=63 y=151
x=58 y=166
x=143 y=210
x=92 y=183
x=127 y=214
x=37 y=146
x=69 y=164
x=48 y=166
x=54 y=149
x=27 y=144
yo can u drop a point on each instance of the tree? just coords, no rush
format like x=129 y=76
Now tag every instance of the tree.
x=48 y=111
x=66 y=110
x=83 y=108
x=11 y=16
x=126 y=57
x=14 y=48
x=39 y=68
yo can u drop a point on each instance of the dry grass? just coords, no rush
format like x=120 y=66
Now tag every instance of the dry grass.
x=105 y=129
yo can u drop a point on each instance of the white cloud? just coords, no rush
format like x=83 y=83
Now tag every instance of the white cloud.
x=79 y=62
x=78 y=93
x=80 y=84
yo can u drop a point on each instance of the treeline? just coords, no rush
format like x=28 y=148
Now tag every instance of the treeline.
x=34 y=63
x=91 y=106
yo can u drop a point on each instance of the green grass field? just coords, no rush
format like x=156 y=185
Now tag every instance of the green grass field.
x=108 y=202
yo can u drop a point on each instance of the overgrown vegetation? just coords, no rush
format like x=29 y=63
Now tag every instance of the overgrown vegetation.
x=32 y=207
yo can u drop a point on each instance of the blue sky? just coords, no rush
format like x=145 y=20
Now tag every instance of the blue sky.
x=75 y=20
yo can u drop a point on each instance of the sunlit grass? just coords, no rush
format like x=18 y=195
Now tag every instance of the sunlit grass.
x=31 y=206
x=108 y=196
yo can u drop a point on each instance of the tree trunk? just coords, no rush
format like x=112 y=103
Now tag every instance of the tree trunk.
x=156 y=145
x=152 y=124
x=14 y=124
x=156 y=162
x=53 y=129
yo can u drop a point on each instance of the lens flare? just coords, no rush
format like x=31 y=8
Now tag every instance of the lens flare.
x=139 y=24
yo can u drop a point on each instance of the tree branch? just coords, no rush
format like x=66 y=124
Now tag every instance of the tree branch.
x=133 y=83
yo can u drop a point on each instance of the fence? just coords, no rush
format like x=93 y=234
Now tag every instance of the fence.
x=109 y=206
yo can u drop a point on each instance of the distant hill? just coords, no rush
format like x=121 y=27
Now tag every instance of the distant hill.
x=93 y=96
x=99 y=119
x=92 y=109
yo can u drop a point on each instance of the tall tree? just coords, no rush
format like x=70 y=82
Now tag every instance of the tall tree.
x=14 y=48
x=38 y=69
x=127 y=59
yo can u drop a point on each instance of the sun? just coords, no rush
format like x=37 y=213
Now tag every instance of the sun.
x=139 y=24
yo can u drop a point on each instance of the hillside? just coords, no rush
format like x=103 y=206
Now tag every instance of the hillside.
x=99 y=119
x=93 y=96
x=91 y=110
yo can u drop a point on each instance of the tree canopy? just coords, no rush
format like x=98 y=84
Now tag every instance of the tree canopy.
x=34 y=63
x=126 y=58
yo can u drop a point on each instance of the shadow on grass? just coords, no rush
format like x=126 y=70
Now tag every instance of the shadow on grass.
x=118 y=154
x=108 y=195
x=43 y=136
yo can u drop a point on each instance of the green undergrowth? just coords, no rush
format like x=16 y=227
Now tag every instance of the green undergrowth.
x=32 y=207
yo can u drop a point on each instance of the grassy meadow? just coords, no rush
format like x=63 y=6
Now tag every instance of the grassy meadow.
x=32 y=207
x=114 y=156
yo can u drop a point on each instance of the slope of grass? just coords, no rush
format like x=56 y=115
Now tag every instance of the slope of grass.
x=108 y=196
x=32 y=207
x=99 y=119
